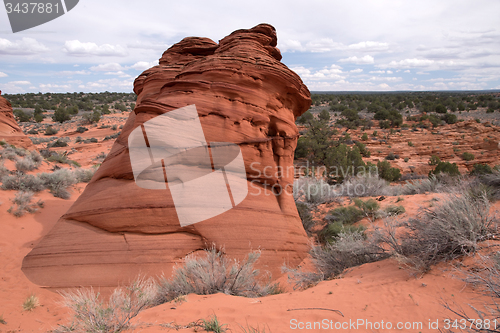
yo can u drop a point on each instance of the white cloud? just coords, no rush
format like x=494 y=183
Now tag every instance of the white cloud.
x=365 y=60
x=409 y=63
x=143 y=65
x=109 y=67
x=357 y=70
x=49 y=87
x=20 y=83
x=80 y=49
x=389 y=72
x=407 y=71
x=70 y=73
x=369 y=46
x=25 y=46
x=323 y=45
x=386 y=78
x=2 y=74
x=290 y=45
x=377 y=72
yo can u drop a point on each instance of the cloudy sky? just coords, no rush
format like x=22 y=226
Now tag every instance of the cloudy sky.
x=376 y=45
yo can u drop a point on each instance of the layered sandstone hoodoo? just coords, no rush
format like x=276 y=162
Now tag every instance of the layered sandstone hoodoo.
x=244 y=98
x=9 y=130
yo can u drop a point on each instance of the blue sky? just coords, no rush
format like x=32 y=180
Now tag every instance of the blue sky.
x=333 y=45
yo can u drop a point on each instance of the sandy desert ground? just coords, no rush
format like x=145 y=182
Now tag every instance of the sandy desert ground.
x=379 y=294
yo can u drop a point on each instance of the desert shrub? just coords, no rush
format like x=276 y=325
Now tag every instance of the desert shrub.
x=467 y=156
x=31 y=303
x=440 y=108
x=91 y=140
x=385 y=171
x=13 y=152
x=305 y=216
x=3 y=170
x=23 y=202
x=364 y=137
x=365 y=186
x=57 y=143
x=58 y=182
x=406 y=159
x=92 y=117
x=493 y=182
x=26 y=164
x=315 y=191
x=214 y=273
x=331 y=232
x=81 y=129
x=305 y=118
x=368 y=207
x=21 y=116
x=434 y=160
x=32 y=131
x=394 y=210
x=480 y=169
x=431 y=184
x=410 y=143
x=349 y=250
x=445 y=167
x=451 y=230
x=39 y=117
x=449 y=118
x=345 y=215
x=50 y=130
x=213 y=325
x=485 y=278
x=92 y=314
x=362 y=149
x=391 y=156
x=22 y=182
x=84 y=175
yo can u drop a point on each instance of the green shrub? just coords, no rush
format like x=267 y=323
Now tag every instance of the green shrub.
x=480 y=169
x=410 y=143
x=434 y=160
x=21 y=116
x=467 y=156
x=440 y=108
x=369 y=207
x=50 y=131
x=406 y=159
x=449 y=118
x=345 y=215
x=385 y=171
x=332 y=232
x=394 y=210
x=213 y=325
x=81 y=129
x=445 y=167
x=57 y=143
x=392 y=156
x=362 y=149
x=364 y=137
x=61 y=115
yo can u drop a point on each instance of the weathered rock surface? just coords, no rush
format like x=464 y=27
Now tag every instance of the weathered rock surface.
x=243 y=95
x=9 y=130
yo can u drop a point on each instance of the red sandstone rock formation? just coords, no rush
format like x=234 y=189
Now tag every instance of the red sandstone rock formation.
x=9 y=130
x=243 y=95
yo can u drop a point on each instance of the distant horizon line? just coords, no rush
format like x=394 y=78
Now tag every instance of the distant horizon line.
x=311 y=91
